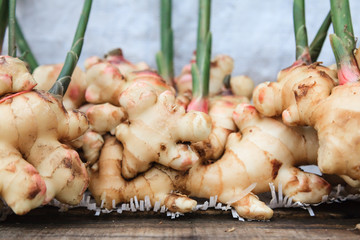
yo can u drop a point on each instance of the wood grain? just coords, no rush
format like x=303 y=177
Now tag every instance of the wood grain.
x=335 y=221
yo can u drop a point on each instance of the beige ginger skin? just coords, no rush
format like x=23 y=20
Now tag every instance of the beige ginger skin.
x=103 y=119
x=332 y=110
x=242 y=85
x=108 y=186
x=36 y=163
x=297 y=88
x=337 y=121
x=107 y=78
x=116 y=58
x=14 y=76
x=51 y=162
x=266 y=144
x=105 y=83
x=46 y=75
x=221 y=109
x=156 y=130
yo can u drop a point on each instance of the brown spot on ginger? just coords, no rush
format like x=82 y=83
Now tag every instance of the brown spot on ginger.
x=303 y=90
x=275 y=167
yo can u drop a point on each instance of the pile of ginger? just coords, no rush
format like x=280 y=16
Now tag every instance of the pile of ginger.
x=135 y=137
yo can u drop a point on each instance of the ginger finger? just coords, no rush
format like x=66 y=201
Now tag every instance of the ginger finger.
x=108 y=186
x=148 y=137
x=22 y=187
x=14 y=76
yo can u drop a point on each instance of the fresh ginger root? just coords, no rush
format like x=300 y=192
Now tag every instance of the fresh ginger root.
x=266 y=144
x=315 y=100
x=220 y=111
x=14 y=76
x=337 y=120
x=157 y=129
x=221 y=66
x=108 y=186
x=284 y=148
x=106 y=83
x=103 y=119
x=46 y=75
x=36 y=164
x=242 y=86
x=116 y=58
x=107 y=78
x=36 y=127
x=297 y=88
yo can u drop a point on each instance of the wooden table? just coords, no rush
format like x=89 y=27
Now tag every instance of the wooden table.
x=332 y=221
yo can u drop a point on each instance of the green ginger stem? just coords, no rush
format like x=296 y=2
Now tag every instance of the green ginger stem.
x=318 y=42
x=343 y=42
x=72 y=57
x=301 y=39
x=4 y=12
x=164 y=58
x=201 y=69
x=12 y=34
x=24 y=48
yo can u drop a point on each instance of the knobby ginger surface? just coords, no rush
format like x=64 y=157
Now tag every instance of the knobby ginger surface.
x=266 y=144
x=36 y=163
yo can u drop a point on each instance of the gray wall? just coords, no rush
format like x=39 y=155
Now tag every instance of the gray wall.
x=258 y=34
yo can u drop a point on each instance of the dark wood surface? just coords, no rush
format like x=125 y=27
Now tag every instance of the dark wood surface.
x=332 y=221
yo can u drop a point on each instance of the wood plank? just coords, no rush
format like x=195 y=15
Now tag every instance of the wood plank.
x=335 y=221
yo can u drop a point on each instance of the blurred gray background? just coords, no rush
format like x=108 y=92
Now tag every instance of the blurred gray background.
x=258 y=34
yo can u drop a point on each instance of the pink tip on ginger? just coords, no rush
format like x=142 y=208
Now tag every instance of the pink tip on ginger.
x=113 y=71
x=199 y=104
x=118 y=59
x=348 y=73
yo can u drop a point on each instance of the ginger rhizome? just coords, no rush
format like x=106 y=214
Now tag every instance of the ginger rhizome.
x=110 y=188
x=116 y=58
x=103 y=119
x=107 y=78
x=315 y=100
x=220 y=111
x=266 y=144
x=53 y=163
x=37 y=164
x=46 y=75
x=105 y=82
x=157 y=130
x=337 y=120
x=14 y=76
x=297 y=88
x=242 y=86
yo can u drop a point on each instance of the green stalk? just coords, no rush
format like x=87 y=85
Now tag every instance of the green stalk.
x=343 y=41
x=72 y=57
x=164 y=58
x=4 y=11
x=341 y=18
x=24 y=47
x=201 y=69
x=318 y=42
x=12 y=35
x=302 y=47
